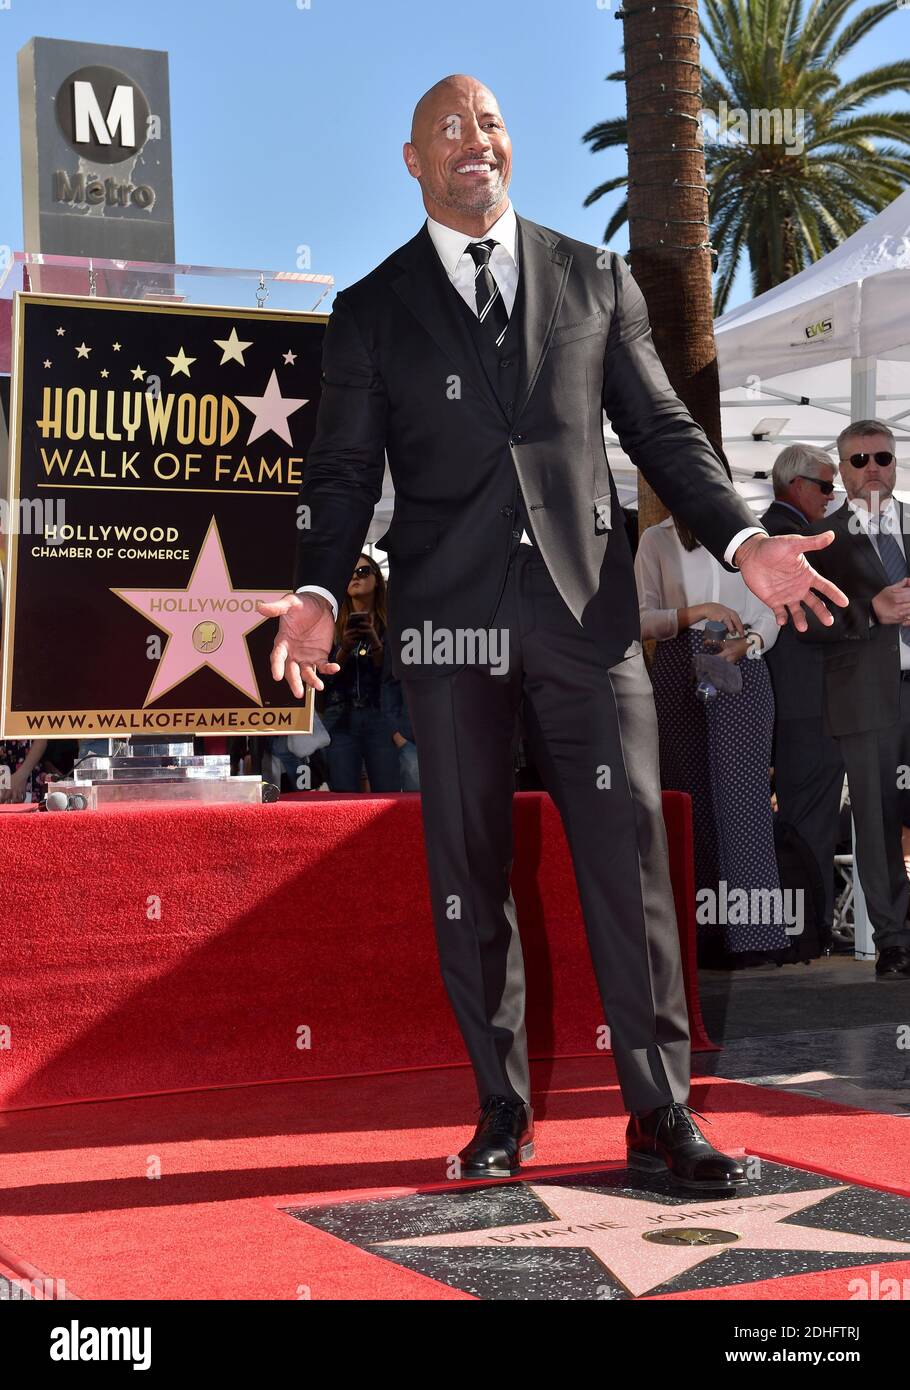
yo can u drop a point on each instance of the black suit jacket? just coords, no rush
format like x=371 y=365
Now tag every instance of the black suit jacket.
x=402 y=374
x=861 y=655
x=797 y=668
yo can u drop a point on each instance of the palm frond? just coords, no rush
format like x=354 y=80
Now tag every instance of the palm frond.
x=602 y=188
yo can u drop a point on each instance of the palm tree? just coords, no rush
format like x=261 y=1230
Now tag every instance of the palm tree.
x=786 y=202
x=668 y=208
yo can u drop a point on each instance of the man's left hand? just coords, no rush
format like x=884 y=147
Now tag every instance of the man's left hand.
x=777 y=571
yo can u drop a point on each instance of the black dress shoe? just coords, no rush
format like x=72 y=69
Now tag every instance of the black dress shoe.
x=502 y=1140
x=669 y=1139
x=893 y=963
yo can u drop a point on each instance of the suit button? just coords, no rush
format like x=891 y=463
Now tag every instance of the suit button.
x=517 y=439
x=509 y=405
x=516 y=535
x=506 y=511
x=506 y=362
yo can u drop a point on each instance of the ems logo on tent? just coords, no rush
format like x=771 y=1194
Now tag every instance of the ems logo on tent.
x=818 y=330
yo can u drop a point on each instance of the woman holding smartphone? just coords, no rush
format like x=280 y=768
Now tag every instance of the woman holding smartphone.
x=360 y=732
x=718 y=752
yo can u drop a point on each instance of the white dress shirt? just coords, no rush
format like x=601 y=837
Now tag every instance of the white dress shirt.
x=669 y=577
x=451 y=247
x=889 y=520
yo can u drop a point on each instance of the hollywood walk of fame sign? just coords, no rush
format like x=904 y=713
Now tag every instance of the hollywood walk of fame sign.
x=621 y=1235
x=156 y=457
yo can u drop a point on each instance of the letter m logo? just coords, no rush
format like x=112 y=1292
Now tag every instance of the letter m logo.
x=90 y=120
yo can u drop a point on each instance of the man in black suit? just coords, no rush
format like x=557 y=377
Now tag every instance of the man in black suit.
x=808 y=767
x=867 y=675
x=480 y=356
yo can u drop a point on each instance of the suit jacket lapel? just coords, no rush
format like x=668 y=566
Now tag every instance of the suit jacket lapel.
x=903 y=512
x=865 y=547
x=424 y=287
x=543 y=271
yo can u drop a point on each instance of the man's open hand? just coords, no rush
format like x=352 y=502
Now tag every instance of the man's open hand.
x=306 y=633
x=777 y=572
x=892 y=604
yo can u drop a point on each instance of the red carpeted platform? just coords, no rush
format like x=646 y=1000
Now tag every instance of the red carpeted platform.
x=154 y=950
x=182 y=1196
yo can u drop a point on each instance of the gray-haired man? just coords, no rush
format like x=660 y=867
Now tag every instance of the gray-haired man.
x=808 y=767
x=867 y=674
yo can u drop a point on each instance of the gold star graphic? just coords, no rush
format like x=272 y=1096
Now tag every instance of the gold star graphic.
x=138 y=373
x=115 y=346
x=290 y=358
x=47 y=361
x=60 y=332
x=104 y=371
x=232 y=348
x=82 y=350
x=181 y=363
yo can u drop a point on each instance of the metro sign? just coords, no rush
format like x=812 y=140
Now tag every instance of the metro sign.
x=96 y=150
x=121 y=115
x=103 y=114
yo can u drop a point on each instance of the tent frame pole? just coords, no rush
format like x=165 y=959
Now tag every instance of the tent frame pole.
x=863 y=396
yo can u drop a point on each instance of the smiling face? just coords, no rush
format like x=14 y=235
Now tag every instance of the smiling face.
x=874 y=484
x=461 y=155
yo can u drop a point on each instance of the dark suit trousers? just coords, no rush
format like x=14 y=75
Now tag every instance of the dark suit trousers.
x=809 y=778
x=593 y=735
x=876 y=765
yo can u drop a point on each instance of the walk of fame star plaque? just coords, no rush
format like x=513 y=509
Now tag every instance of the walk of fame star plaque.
x=156 y=456
x=620 y=1234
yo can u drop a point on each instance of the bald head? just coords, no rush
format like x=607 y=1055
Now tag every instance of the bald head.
x=460 y=153
x=448 y=90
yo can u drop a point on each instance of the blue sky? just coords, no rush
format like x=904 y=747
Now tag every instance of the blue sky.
x=288 y=121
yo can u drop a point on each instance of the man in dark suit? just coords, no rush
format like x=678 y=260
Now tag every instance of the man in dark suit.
x=867 y=675
x=480 y=356
x=808 y=767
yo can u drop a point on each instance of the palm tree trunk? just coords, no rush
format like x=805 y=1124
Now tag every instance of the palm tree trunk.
x=668 y=209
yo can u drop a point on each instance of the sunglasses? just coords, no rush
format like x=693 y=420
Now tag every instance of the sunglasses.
x=363 y=571
x=826 y=488
x=883 y=458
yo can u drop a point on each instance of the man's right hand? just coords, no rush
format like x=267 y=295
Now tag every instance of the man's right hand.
x=306 y=633
x=892 y=605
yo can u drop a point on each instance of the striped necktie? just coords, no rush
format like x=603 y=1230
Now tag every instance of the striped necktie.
x=894 y=561
x=491 y=310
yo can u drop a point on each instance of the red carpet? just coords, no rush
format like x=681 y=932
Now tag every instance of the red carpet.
x=154 y=950
x=78 y=1203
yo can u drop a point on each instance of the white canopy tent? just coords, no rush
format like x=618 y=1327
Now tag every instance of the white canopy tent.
x=828 y=345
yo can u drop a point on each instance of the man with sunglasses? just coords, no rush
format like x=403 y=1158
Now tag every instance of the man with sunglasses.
x=867 y=674
x=479 y=358
x=808 y=767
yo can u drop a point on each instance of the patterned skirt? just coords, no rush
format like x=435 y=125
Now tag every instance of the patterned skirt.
x=720 y=754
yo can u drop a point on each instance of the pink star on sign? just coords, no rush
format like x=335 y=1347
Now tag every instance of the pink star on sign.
x=613 y=1228
x=207 y=623
x=271 y=411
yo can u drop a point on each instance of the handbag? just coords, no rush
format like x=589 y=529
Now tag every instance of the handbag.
x=302 y=745
x=726 y=679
